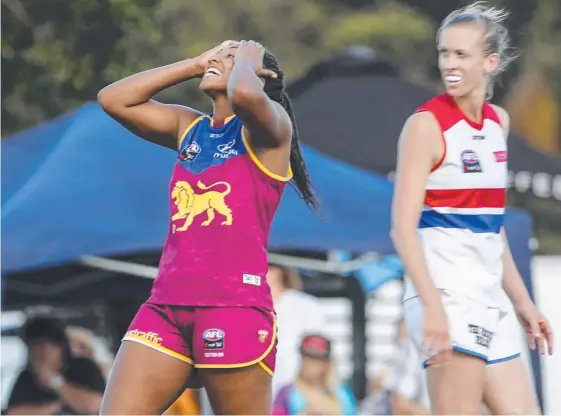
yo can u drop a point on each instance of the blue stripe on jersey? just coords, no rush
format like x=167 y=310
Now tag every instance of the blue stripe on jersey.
x=474 y=223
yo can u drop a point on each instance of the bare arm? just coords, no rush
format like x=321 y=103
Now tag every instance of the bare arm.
x=420 y=146
x=129 y=102
x=537 y=328
x=512 y=281
x=268 y=124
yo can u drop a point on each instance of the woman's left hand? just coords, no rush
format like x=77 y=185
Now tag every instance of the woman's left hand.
x=253 y=52
x=537 y=328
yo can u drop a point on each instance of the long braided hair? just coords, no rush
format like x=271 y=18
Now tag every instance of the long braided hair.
x=274 y=88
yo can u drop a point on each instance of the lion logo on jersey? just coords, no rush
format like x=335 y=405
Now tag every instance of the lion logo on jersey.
x=190 y=204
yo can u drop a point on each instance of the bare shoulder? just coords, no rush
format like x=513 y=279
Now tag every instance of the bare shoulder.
x=503 y=117
x=186 y=115
x=421 y=128
x=423 y=120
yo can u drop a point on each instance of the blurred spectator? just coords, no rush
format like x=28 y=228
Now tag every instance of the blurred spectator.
x=399 y=387
x=53 y=381
x=315 y=391
x=297 y=314
x=83 y=344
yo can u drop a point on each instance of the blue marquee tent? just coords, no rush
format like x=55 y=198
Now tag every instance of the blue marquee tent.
x=81 y=184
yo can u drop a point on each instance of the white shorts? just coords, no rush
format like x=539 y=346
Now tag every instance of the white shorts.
x=491 y=334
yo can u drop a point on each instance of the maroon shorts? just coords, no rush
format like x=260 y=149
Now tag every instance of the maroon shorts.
x=206 y=337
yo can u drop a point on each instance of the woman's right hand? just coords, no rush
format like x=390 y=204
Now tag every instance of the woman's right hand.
x=202 y=59
x=436 y=345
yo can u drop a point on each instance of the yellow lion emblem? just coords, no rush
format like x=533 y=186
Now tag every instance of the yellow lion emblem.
x=189 y=204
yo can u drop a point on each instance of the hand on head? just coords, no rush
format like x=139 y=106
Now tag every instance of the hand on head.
x=254 y=52
x=244 y=50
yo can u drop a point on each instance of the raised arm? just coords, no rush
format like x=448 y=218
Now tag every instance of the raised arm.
x=420 y=147
x=129 y=101
x=266 y=122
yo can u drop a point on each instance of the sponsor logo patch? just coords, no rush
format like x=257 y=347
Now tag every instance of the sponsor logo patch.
x=213 y=339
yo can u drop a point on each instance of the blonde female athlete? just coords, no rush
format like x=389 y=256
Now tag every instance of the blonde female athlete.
x=448 y=211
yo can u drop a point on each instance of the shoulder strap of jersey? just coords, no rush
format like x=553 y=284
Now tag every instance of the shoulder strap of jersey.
x=490 y=113
x=443 y=111
x=188 y=129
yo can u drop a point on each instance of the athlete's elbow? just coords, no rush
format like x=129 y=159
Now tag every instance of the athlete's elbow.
x=395 y=236
x=108 y=100
x=400 y=233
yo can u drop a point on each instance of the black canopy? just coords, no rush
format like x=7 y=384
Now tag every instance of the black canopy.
x=352 y=106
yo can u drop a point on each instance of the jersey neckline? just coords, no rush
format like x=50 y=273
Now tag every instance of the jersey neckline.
x=226 y=123
x=478 y=125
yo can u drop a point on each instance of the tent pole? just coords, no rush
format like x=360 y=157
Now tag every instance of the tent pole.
x=150 y=272
x=119 y=266
x=358 y=301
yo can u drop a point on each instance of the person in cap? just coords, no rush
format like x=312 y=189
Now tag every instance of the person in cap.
x=315 y=391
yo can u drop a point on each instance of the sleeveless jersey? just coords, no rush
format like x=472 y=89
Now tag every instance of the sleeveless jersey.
x=222 y=205
x=464 y=204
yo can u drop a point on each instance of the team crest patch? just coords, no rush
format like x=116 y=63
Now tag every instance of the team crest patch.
x=262 y=334
x=190 y=152
x=470 y=161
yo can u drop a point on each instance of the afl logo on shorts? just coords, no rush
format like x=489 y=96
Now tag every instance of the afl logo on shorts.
x=471 y=163
x=214 y=339
x=190 y=152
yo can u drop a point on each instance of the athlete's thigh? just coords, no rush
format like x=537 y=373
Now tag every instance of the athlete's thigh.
x=457 y=386
x=508 y=386
x=509 y=390
x=152 y=366
x=235 y=349
x=239 y=391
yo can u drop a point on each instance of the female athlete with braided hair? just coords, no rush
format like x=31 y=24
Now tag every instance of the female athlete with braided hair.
x=210 y=312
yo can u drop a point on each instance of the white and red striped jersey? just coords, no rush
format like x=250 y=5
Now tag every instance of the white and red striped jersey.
x=464 y=204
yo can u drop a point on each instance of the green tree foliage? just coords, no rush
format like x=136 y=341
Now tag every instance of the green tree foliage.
x=54 y=53
x=401 y=34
